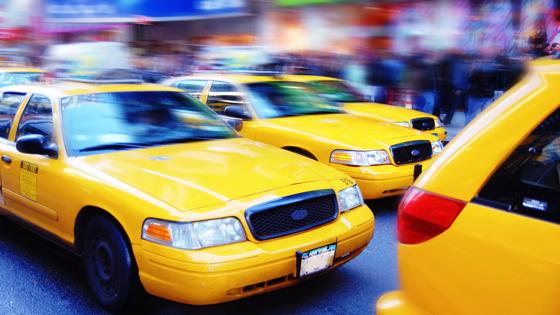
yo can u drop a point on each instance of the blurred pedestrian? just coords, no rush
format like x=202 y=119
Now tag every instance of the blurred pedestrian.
x=459 y=78
x=355 y=74
x=538 y=40
x=555 y=50
x=481 y=88
x=377 y=79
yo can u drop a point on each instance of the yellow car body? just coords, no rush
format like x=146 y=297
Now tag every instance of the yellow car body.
x=389 y=113
x=318 y=136
x=184 y=182
x=478 y=231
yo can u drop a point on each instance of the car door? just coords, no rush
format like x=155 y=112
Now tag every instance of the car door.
x=29 y=181
x=9 y=105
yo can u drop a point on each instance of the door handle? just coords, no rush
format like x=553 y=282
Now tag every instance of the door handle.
x=6 y=159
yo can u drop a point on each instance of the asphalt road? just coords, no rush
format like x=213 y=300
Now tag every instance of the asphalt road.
x=37 y=277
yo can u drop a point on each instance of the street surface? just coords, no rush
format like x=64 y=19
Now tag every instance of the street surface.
x=37 y=277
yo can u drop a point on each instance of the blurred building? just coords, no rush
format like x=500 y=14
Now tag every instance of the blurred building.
x=145 y=20
x=346 y=26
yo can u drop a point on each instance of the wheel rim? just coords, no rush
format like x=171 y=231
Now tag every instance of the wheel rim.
x=102 y=267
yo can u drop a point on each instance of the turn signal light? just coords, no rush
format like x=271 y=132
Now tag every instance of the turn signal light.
x=341 y=157
x=423 y=215
x=159 y=232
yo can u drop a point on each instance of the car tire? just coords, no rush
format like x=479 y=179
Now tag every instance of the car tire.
x=110 y=268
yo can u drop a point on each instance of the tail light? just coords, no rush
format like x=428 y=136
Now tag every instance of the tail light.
x=423 y=216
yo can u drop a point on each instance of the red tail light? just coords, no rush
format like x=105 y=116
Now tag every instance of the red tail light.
x=423 y=216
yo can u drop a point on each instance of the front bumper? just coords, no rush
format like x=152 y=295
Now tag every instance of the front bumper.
x=397 y=303
x=383 y=180
x=439 y=132
x=230 y=272
x=380 y=188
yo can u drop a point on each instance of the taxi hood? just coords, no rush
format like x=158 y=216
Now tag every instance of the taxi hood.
x=347 y=131
x=199 y=174
x=384 y=112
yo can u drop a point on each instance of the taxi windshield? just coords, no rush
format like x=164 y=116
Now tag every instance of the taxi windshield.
x=127 y=120
x=13 y=78
x=337 y=91
x=283 y=99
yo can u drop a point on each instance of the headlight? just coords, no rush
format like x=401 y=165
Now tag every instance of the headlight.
x=194 y=235
x=360 y=158
x=437 y=147
x=437 y=123
x=402 y=123
x=350 y=198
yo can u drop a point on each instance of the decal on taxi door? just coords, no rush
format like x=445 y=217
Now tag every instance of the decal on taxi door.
x=28 y=180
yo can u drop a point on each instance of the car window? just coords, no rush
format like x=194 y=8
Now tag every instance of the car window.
x=528 y=182
x=282 y=99
x=192 y=86
x=337 y=91
x=37 y=118
x=223 y=94
x=9 y=104
x=99 y=122
x=220 y=86
x=219 y=102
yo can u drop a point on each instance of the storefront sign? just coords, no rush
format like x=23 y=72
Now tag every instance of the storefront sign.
x=129 y=10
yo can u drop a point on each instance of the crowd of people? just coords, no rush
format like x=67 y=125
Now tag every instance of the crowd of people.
x=436 y=83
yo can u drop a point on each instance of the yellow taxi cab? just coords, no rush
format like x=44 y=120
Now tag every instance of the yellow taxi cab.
x=383 y=158
x=14 y=76
x=355 y=103
x=190 y=212
x=478 y=233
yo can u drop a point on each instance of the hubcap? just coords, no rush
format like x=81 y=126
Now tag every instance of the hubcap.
x=102 y=263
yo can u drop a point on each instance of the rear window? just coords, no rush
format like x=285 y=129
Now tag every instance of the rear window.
x=192 y=86
x=528 y=182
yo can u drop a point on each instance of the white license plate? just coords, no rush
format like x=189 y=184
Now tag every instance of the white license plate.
x=315 y=260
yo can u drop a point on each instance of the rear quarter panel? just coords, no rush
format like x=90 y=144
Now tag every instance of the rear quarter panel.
x=490 y=261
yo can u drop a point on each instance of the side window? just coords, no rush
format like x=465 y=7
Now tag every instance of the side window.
x=528 y=182
x=194 y=88
x=219 y=86
x=37 y=118
x=9 y=104
x=223 y=94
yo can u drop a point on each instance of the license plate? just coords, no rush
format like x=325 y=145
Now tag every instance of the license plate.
x=315 y=260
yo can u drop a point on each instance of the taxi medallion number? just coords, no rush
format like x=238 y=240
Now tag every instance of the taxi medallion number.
x=315 y=260
x=28 y=180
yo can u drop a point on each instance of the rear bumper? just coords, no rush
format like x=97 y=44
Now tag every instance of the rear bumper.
x=235 y=271
x=397 y=303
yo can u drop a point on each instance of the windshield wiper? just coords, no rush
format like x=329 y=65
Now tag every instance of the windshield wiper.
x=322 y=112
x=183 y=140
x=114 y=146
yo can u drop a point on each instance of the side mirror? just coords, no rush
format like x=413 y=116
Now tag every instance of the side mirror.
x=236 y=111
x=235 y=123
x=36 y=144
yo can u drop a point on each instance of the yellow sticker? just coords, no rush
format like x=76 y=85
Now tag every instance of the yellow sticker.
x=28 y=180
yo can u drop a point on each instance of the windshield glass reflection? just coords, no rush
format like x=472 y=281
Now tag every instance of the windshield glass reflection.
x=126 y=120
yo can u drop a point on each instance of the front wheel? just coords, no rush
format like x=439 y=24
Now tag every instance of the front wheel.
x=110 y=268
